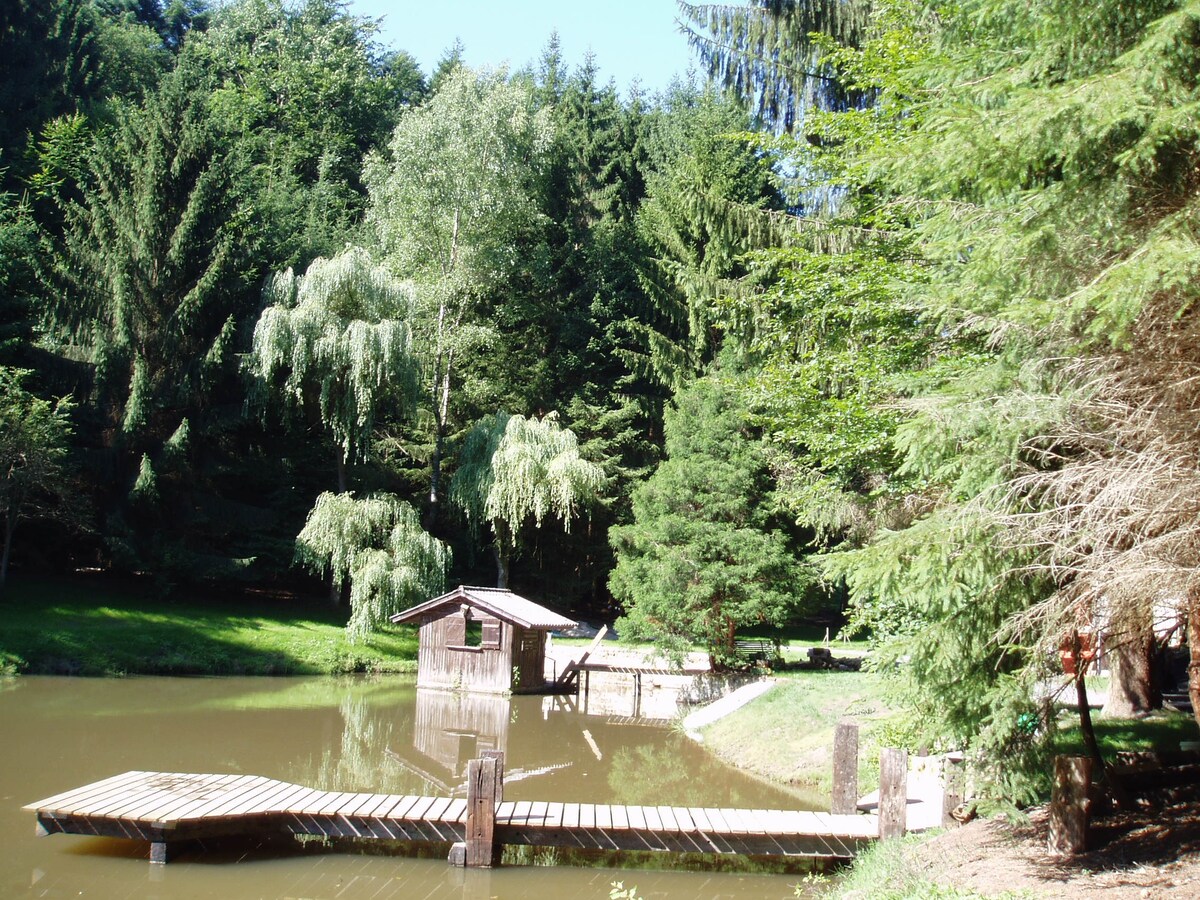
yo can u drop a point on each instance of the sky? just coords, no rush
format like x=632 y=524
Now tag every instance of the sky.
x=631 y=39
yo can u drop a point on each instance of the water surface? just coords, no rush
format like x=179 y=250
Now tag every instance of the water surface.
x=376 y=735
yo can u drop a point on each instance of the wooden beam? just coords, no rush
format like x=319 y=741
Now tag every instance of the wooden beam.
x=845 y=769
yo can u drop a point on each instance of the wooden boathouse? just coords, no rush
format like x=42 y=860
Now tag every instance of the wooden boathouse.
x=483 y=639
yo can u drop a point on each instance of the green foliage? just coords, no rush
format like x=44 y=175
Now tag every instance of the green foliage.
x=704 y=168
x=703 y=556
x=34 y=437
x=377 y=546
x=18 y=240
x=452 y=204
x=513 y=471
x=336 y=343
x=771 y=50
x=149 y=278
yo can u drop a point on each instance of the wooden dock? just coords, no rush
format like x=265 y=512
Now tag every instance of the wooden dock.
x=169 y=808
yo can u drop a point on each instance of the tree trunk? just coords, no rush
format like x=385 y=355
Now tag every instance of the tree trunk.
x=502 y=548
x=10 y=525
x=501 y=567
x=1193 y=635
x=1086 y=728
x=336 y=588
x=1133 y=690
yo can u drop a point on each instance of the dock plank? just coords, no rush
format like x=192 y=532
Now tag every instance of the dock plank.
x=157 y=806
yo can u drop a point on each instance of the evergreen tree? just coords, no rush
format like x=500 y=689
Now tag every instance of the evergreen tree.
x=702 y=168
x=703 y=556
x=1031 y=157
x=147 y=286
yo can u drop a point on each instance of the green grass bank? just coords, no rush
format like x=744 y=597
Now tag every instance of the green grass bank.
x=786 y=735
x=100 y=626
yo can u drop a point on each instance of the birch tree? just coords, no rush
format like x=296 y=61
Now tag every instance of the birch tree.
x=450 y=204
x=515 y=471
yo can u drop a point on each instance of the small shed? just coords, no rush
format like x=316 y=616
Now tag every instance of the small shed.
x=482 y=639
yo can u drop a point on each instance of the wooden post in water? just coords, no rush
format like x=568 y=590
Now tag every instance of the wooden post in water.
x=1070 y=803
x=893 y=793
x=159 y=853
x=845 y=769
x=485 y=788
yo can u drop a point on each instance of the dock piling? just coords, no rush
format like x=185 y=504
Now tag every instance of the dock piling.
x=893 y=793
x=845 y=769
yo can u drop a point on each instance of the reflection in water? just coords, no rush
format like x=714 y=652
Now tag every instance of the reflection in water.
x=378 y=735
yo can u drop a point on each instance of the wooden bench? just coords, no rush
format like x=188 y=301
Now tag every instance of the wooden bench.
x=756 y=648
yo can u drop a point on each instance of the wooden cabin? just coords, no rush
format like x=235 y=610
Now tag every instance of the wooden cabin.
x=483 y=639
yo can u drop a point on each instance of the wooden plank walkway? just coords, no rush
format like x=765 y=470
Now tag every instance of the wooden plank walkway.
x=163 y=808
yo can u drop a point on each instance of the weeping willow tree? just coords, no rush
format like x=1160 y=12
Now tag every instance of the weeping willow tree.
x=335 y=344
x=514 y=472
x=377 y=546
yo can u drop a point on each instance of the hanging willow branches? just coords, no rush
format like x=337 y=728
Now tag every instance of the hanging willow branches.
x=513 y=471
x=336 y=343
x=377 y=546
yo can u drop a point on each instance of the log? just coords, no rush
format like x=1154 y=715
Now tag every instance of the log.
x=845 y=769
x=1070 y=805
x=893 y=793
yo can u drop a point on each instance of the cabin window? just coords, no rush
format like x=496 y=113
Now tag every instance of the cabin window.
x=474 y=635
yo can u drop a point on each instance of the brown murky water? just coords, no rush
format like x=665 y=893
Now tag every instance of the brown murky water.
x=378 y=735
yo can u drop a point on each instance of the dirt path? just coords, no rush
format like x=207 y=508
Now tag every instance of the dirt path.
x=1150 y=853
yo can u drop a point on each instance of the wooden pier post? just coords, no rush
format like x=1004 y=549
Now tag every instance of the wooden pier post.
x=845 y=769
x=160 y=853
x=893 y=793
x=485 y=789
x=1070 y=804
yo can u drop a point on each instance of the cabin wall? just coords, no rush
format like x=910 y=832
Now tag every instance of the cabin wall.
x=468 y=668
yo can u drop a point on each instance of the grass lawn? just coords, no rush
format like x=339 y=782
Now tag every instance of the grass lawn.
x=787 y=733
x=1159 y=731
x=95 y=625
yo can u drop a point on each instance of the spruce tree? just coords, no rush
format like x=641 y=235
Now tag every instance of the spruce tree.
x=703 y=556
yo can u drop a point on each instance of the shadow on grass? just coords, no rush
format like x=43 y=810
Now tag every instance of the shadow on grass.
x=93 y=625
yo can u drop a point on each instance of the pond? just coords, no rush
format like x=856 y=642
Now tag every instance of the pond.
x=355 y=734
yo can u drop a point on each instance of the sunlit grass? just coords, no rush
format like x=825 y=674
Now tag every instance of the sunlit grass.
x=93 y=626
x=787 y=733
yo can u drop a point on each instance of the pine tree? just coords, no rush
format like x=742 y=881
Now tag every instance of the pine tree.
x=703 y=557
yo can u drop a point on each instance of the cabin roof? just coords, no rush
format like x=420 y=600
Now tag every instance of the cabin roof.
x=500 y=603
